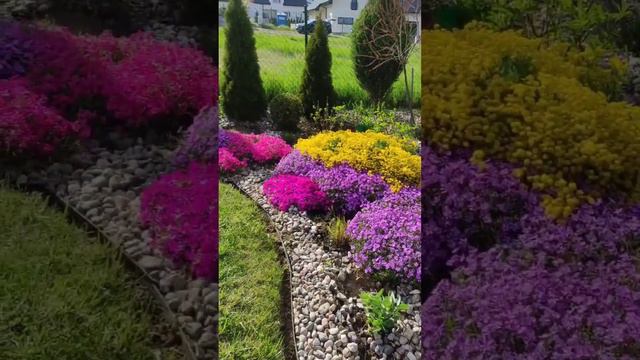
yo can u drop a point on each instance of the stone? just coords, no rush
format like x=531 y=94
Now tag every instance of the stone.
x=150 y=262
x=207 y=340
x=193 y=329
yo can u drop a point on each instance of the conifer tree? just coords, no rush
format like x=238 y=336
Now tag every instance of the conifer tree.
x=243 y=97
x=317 y=89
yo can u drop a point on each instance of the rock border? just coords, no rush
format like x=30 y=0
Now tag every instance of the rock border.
x=329 y=325
x=104 y=187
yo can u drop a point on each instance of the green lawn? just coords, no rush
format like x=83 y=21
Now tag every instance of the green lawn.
x=250 y=279
x=63 y=295
x=281 y=57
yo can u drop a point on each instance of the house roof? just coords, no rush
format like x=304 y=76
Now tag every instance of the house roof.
x=261 y=2
x=314 y=5
x=300 y=3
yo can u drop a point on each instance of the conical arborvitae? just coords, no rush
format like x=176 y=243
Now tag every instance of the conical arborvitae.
x=317 y=90
x=376 y=75
x=243 y=97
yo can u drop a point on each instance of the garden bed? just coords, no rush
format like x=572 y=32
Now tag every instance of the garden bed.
x=328 y=315
x=104 y=187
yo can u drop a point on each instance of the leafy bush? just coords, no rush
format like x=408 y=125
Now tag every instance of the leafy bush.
x=578 y=22
x=15 y=50
x=286 y=110
x=316 y=91
x=243 y=96
x=392 y=158
x=200 y=141
x=383 y=312
x=181 y=210
x=566 y=139
x=29 y=127
x=337 y=232
x=348 y=189
x=385 y=236
x=375 y=58
x=285 y=191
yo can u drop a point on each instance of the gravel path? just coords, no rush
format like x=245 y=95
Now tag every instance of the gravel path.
x=329 y=324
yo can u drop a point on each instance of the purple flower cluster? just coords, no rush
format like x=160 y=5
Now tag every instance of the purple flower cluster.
x=507 y=311
x=349 y=190
x=285 y=191
x=522 y=285
x=385 y=235
x=180 y=210
x=15 y=50
x=200 y=141
x=465 y=208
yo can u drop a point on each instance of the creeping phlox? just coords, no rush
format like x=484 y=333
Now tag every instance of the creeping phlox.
x=180 y=209
x=394 y=159
x=237 y=150
x=131 y=81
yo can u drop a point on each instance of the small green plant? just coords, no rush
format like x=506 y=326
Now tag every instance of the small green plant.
x=337 y=232
x=286 y=110
x=382 y=311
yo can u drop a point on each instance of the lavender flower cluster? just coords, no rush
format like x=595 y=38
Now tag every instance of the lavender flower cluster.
x=574 y=311
x=200 y=141
x=385 y=235
x=15 y=50
x=348 y=190
x=523 y=285
x=467 y=209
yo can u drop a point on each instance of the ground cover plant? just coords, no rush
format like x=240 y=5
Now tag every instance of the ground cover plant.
x=238 y=150
x=79 y=83
x=394 y=159
x=63 y=295
x=529 y=205
x=250 y=276
x=343 y=170
x=540 y=98
x=281 y=58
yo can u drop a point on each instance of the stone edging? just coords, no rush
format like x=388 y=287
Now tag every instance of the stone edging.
x=332 y=326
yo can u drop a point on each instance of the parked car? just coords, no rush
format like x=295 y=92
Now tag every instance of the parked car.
x=308 y=28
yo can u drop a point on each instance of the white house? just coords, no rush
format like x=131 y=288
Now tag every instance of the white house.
x=340 y=13
x=265 y=11
x=343 y=13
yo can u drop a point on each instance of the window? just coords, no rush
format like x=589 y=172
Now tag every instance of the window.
x=354 y=4
x=345 y=21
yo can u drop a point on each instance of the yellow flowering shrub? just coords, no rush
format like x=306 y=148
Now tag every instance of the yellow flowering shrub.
x=543 y=108
x=394 y=159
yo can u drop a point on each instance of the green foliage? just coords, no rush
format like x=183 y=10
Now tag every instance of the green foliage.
x=578 y=22
x=64 y=295
x=316 y=90
x=242 y=94
x=250 y=281
x=286 y=110
x=363 y=118
x=382 y=311
x=337 y=232
x=567 y=138
x=281 y=57
x=378 y=46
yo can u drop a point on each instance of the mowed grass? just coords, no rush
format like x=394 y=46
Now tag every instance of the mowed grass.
x=281 y=58
x=250 y=279
x=63 y=295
